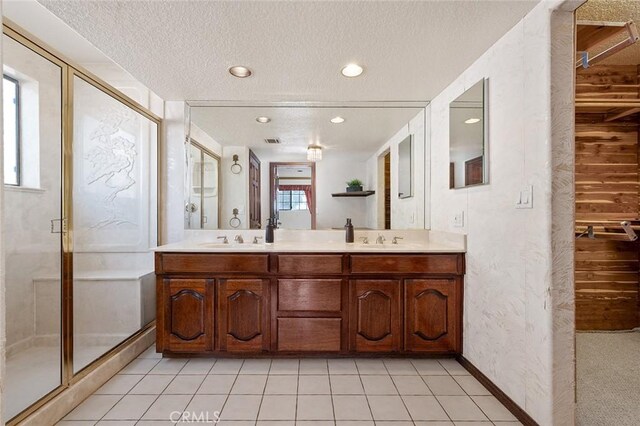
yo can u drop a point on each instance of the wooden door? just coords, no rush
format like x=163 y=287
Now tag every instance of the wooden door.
x=243 y=315
x=473 y=171
x=188 y=315
x=255 y=212
x=375 y=315
x=432 y=322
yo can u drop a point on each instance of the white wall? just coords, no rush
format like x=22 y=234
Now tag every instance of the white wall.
x=406 y=213
x=235 y=187
x=513 y=256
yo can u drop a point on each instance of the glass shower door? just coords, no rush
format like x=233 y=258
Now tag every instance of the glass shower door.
x=32 y=135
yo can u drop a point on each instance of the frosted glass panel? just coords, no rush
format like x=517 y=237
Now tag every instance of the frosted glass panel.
x=114 y=222
x=32 y=248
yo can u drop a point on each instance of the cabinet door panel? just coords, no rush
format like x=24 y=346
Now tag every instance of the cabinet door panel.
x=243 y=314
x=375 y=315
x=189 y=322
x=432 y=321
x=309 y=334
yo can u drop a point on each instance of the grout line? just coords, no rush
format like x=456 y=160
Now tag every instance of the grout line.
x=366 y=397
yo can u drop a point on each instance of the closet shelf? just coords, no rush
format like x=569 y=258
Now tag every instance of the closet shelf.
x=353 y=194
x=613 y=109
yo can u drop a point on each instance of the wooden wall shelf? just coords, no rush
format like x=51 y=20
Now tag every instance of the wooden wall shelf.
x=353 y=194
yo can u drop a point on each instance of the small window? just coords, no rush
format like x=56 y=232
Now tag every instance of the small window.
x=292 y=200
x=11 y=130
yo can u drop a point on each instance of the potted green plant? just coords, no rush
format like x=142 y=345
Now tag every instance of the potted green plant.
x=354 y=185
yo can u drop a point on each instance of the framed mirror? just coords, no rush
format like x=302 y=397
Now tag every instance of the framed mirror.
x=405 y=168
x=468 y=138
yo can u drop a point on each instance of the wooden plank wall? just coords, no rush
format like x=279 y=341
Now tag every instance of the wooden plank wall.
x=607 y=272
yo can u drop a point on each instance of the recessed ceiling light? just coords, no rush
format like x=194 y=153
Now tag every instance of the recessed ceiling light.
x=472 y=120
x=240 y=71
x=263 y=119
x=352 y=70
x=337 y=120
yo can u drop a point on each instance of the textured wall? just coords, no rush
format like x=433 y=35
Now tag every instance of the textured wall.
x=518 y=313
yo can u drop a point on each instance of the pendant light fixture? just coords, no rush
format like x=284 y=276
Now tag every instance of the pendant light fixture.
x=314 y=153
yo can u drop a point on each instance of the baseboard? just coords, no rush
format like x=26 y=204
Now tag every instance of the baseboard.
x=514 y=408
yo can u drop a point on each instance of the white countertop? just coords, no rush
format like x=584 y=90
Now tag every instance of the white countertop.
x=415 y=241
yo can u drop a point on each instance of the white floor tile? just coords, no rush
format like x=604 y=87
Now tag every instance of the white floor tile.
x=241 y=407
x=461 y=408
x=278 y=407
x=424 y=408
x=217 y=384
x=314 y=366
x=379 y=385
x=169 y=366
x=346 y=385
x=93 y=408
x=400 y=367
x=140 y=366
x=365 y=423
x=166 y=406
x=119 y=384
x=282 y=385
x=388 y=408
x=276 y=423
x=314 y=407
x=249 y=385
x=342 y=366
x=371 y=366
x=443 y=385
x=256 y=366
x=454 y=368
x=198 y=366
x=130 y=407
x=314 y=385
x=351 y=407
x=493 y=409
x=411 y=385
x=284 y=366
x=184 y=384
x=152 y=385
x=429 y=367
x=314 y=423
x=471 y=386
x=206 y=406
x=226 y=366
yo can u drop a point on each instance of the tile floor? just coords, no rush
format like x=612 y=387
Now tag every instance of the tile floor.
x=289 y=392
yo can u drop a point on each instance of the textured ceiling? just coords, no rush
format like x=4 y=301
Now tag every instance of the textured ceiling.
x=182 y=49
x=363 y=131
x=614 y=11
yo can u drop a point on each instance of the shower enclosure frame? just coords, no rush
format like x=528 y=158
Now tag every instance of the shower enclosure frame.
x=69 y=70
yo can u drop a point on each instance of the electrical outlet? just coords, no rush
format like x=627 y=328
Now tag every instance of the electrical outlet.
x=458 y=220
x=525 y=198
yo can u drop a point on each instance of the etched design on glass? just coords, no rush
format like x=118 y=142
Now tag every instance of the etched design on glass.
x=112 y=158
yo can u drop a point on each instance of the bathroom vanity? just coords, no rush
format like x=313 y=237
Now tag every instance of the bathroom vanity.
x=325 y=298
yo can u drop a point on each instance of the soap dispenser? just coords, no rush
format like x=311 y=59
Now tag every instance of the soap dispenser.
x=270 y=227
x=349 y=231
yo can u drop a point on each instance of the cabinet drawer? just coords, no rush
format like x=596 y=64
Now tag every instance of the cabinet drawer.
x=216 y=263
x=310 y=295
x=309 y=334
x=309 y=264
x=418 y=264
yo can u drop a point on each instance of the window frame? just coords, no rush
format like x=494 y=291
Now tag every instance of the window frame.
x=18 y=140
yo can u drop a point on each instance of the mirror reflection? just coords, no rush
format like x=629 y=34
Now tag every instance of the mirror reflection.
x=307 y=167
x=467 y=138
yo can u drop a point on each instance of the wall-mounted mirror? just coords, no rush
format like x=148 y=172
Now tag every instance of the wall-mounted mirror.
x=204 y=197
x=468 y=159
x=310 y=167
x=405 y=168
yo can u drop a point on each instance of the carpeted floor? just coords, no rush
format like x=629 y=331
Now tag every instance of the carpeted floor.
x=608 y=373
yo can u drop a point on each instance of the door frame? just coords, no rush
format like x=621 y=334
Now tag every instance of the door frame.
x=254 y=157
x=273 y=167
x=204 y=150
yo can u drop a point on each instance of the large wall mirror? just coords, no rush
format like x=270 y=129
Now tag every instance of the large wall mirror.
x=468 y=129
x=306 y=166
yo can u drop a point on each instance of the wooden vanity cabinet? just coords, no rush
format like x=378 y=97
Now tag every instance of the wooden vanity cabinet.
x=295 y=304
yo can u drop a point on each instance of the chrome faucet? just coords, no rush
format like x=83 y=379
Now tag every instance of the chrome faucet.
x=365 y=240
x=238 y=239
x=224 y=239
x=395 y=240
x=255 y=239
x=380 y=239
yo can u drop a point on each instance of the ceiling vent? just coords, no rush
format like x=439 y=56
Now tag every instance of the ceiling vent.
x=272 y=140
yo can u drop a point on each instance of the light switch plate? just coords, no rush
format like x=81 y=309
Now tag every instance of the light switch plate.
x=525 y=198
x=458 y=220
